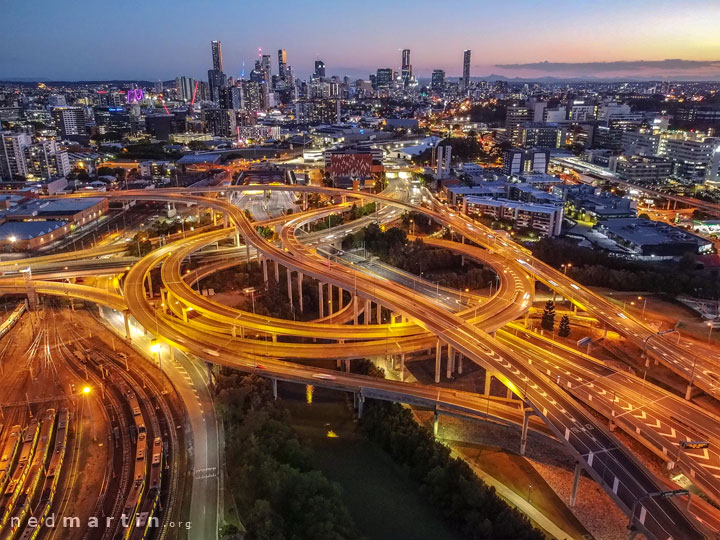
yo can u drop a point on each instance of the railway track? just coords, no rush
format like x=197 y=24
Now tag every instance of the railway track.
x=123 y=417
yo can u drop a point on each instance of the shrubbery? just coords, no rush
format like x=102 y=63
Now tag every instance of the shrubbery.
x=463 y=499
x=277 y=492
x=596 y=268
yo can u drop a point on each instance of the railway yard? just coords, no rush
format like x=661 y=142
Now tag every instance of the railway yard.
x=90 y=434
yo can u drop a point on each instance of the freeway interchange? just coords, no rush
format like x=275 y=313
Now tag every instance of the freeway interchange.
x=557 y=388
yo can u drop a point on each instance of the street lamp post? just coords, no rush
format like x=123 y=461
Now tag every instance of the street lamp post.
x=644 y=299
x=710 y=327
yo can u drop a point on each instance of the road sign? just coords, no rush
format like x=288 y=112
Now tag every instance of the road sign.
x=584 y=341
x=694 y=445
x=674 y=493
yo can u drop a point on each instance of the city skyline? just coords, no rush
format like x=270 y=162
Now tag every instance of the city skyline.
x=160 y=41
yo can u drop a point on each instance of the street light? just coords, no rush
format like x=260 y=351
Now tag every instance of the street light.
x=710 y=325
x=644 y=299
x=565 y=267
x=251 y=292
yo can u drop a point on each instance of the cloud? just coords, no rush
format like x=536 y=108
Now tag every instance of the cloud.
x=674 y=64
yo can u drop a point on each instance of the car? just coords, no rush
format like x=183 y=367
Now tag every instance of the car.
x=324 y=376
x=211 y=352
x=259 y=366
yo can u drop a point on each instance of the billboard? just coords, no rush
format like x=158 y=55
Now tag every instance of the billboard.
x=351 y=165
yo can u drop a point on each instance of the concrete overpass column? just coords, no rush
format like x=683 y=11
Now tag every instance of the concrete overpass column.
x=460 y=361
x=274 y=388
x=360 y=403
x=300 y=291
x=576 y=482
x=379 y=314
x=438 y=355
x=126 y=320
x=233 y=329
x=305 y=201
x=368 y=311
x=288 y=274
x=237 y=239
x=277 y=272
x=321 y=302
x=347 y=365
x=330 y=299
x=225 y=221
x=523 y=436
x=264 y=268
x=340 y=298
x=247 y=252
x=149 y=283
x=488 y=382
x=402 y=366
x=450 y=361
x=355 y=309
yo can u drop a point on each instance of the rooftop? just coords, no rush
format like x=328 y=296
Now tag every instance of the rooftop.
x=26 y=230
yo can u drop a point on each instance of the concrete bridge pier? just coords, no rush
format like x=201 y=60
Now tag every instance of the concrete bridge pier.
x=321 y=302
x=450 y=362
x=438 y=357
x=300 y=290
x=288 y=274
x=277 y=272
x=274 y=388
x=576 y=483
x=368 y=311
x=264 y=269
x=379 y=314
x=523 y=436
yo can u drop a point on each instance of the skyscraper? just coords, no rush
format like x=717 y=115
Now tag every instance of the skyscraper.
x=406 y=67
x=384 y=77
x=282 y=63
x=438 y=79
x=466 y=69
x=216 y=55
x=319 y=69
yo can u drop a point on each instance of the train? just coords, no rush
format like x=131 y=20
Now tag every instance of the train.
x=21 y=507
x=52 y=477
x=8 y=455
x=146 y=515
x=14 y=487
x=135 y=496
x=14 y=317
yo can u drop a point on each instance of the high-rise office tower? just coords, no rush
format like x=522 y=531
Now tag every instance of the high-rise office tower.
x=319 y=69
x=406 y=72
x=466 y=69
x=438 y=79
x=384 y=78
x=282 y=63
x=216 y=55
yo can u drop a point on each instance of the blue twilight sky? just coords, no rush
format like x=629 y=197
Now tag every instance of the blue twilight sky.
x=160 y=39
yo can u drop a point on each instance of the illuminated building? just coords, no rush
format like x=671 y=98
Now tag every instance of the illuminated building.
x=466 y=69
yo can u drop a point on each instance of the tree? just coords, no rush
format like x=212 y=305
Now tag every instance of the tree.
x=564 y=328
x=548 y=316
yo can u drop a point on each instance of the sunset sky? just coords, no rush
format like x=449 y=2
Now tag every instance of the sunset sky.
x=161 y=39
